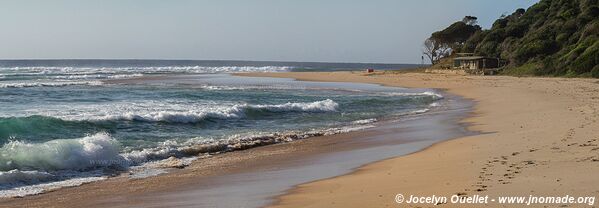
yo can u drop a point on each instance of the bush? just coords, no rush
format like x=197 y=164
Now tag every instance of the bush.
x=595 y=72
x=590 y=13
x=562 y=38
x=529 y=69
x=588 y=60
x=533 y=49
x=516 y=30
x=487 y=48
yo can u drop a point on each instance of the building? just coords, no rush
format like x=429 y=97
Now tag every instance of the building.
x=476 y=64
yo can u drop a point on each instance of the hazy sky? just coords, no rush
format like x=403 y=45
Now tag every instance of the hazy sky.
x=387 y=31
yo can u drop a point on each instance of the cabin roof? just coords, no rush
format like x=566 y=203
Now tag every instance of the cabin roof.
x=470 y=58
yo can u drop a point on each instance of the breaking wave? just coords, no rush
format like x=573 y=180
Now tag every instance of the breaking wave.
x=91 y=71
x=51 y=76
x=17 y=176
x=236 y=111
x=33 y=168
x=48 y=84
x=102 y=151
x=60 y=154
x=426 y=93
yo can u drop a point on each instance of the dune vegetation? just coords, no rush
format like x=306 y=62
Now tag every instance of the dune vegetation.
x=551 y=38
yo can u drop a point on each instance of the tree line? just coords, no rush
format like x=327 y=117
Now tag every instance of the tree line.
x=552 y=37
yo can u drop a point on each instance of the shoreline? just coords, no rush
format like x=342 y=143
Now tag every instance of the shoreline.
x=526 y=147
x=205 y=174
x=538 y=139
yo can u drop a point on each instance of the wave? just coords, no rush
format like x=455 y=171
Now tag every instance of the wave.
x=426 y=93
x=365 y=121
x=435 y=104
x=419 y=111
x=236 y=111
x=318 y=106
x=48 y=84
x=31 y=168
x=49 y=70
x=64 y=76
x=97 y=76
x=18 y=185
x=199 y=146
x=62 y=154
x=101 y=151
x=18 y=176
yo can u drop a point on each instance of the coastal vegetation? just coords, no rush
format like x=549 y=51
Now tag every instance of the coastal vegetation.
x=551 y=38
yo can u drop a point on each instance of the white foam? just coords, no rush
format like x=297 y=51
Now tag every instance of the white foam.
x=146 y=172
x=419 y=111
x=171 y=111
x=318 y=106
x=365 y=121
x=42 y=76
x=171 y=117
x=96 y=76
x=45 y=187
x=17 y=176
x=347 y=129
x=50 y=70
x=62 y=154
x=426 y=93
x=252 y=87
x=47 y=84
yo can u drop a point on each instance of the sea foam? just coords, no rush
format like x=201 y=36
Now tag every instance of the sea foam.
x=48 y=84
x=173 y=112
x=52 y=70
x=18 y=176
x=426 y=93
x=9 y=190
x=62 y=154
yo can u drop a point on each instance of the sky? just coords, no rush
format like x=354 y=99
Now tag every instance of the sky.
x=372 y=31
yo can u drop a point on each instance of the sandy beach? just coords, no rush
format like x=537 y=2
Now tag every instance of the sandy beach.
x=538 y=137
x=299 y=104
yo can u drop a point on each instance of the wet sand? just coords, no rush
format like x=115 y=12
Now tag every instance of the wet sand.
x=251 y=178
x=540 y=137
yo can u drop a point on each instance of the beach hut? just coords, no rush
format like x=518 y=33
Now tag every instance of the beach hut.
x=476 y=64
x=369 y=70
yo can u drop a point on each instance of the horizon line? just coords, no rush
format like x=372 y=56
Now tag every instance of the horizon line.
x=237 y=60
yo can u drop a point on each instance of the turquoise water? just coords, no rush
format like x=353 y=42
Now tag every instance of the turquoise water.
x=68 y=125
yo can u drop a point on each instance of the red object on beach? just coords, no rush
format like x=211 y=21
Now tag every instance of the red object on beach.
x=369 y=70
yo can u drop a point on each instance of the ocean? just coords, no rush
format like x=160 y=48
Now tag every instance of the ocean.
x=68 y=122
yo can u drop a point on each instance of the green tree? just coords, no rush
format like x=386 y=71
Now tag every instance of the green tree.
x=457 y=33
x=435 y=50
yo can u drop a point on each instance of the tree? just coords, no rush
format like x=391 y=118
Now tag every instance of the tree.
x=470 y=20
x=435 y=50
x=457 y=33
